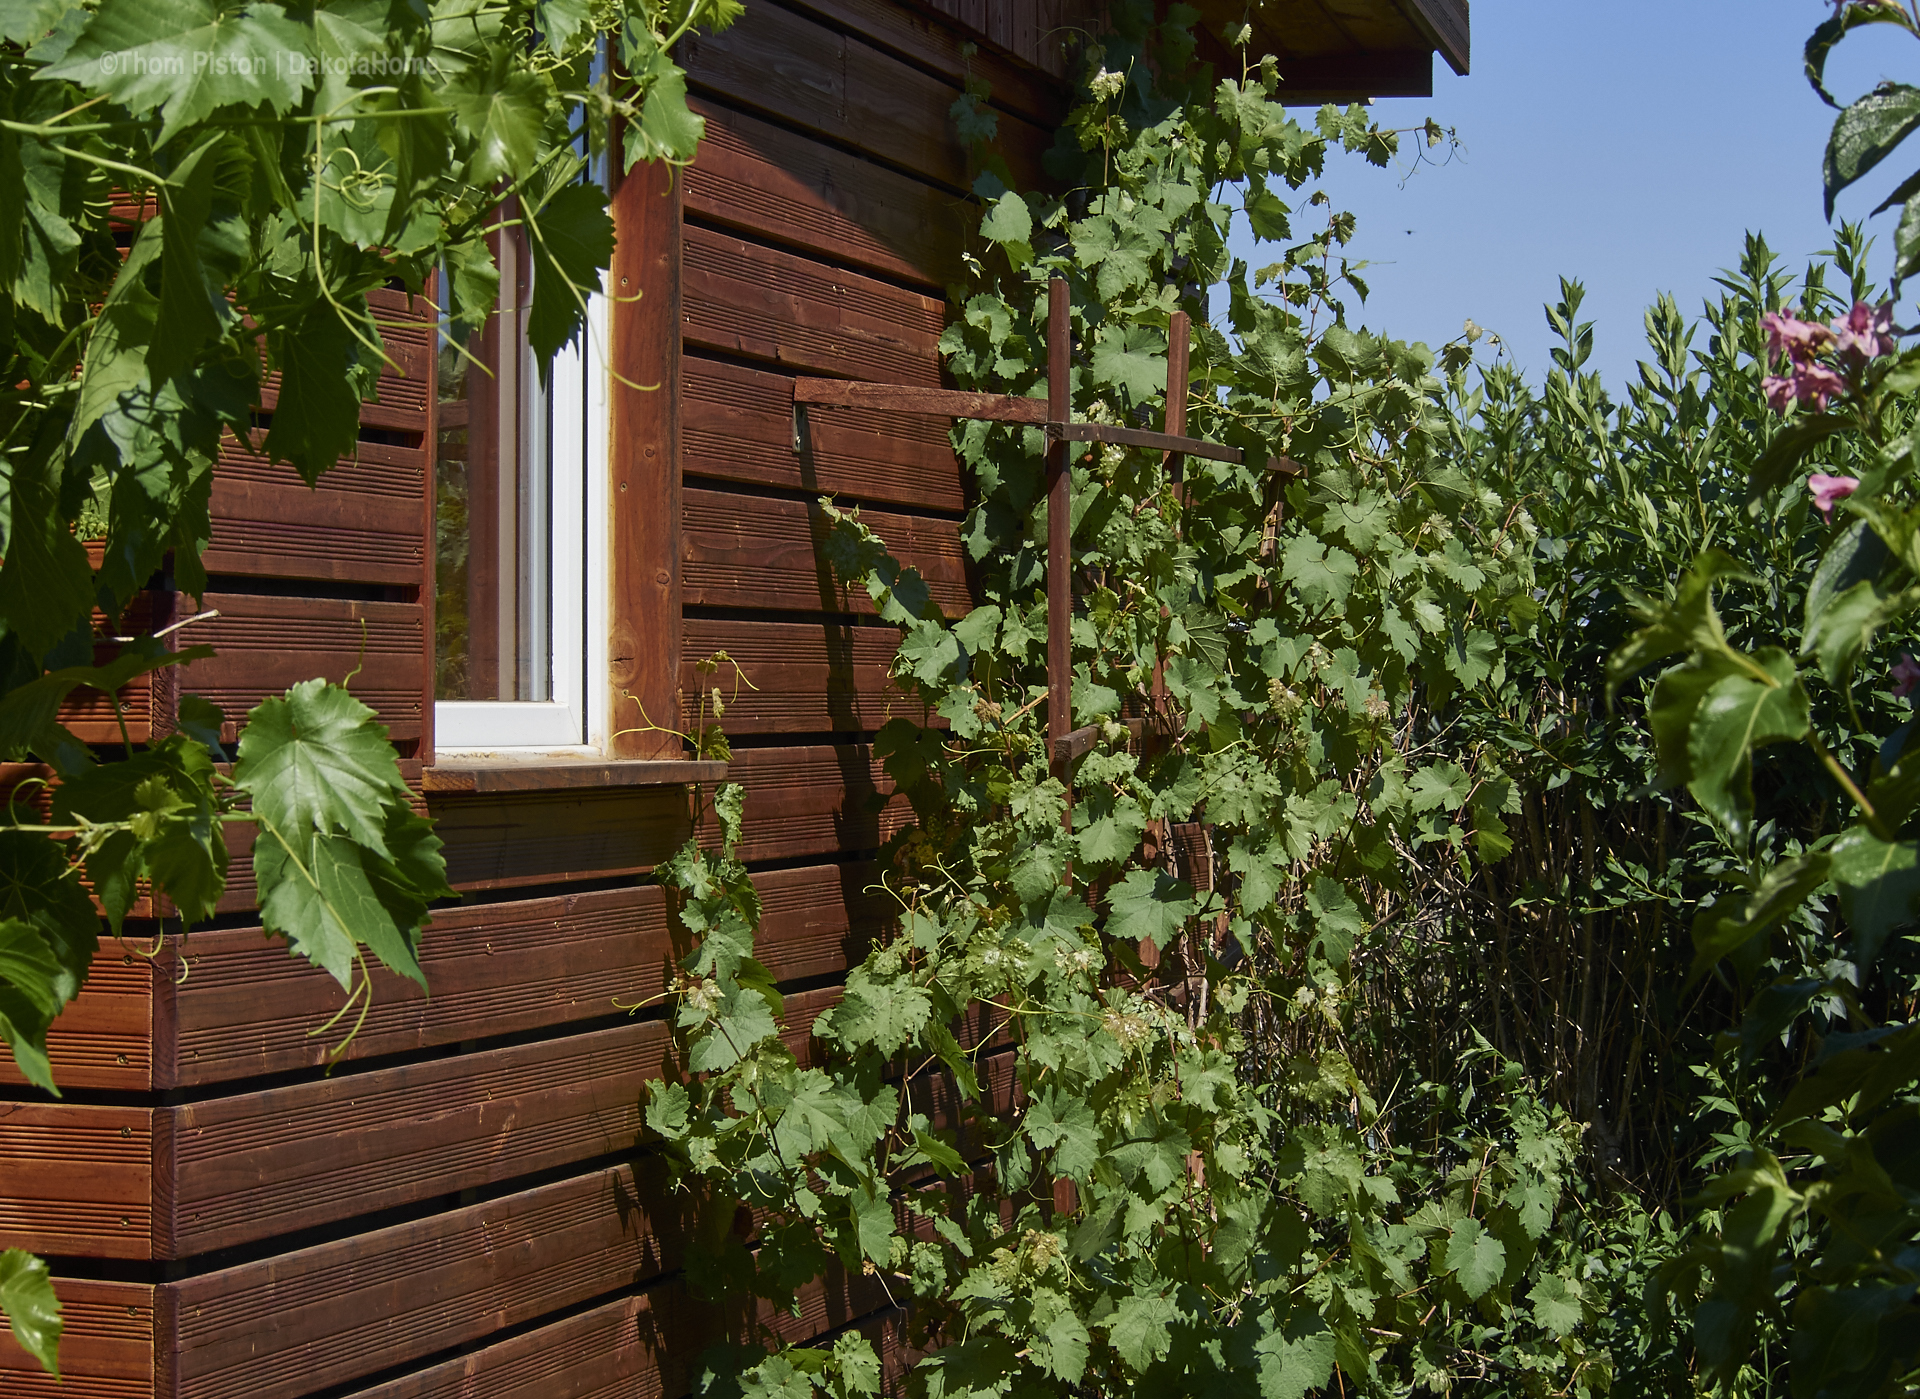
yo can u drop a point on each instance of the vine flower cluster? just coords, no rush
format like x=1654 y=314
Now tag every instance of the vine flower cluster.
x=1864 y=333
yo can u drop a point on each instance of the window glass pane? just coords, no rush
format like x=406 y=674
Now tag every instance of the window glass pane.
x=493 y=485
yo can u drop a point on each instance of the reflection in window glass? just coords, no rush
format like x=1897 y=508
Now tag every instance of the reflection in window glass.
x=494 y=500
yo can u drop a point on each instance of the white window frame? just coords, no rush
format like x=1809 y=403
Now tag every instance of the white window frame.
x=573 y=722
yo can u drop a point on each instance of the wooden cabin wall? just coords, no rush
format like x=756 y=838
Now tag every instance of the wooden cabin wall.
x=465 y=1204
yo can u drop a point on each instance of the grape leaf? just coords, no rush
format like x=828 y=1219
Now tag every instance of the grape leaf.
x=1879 y=883
x=668 y=128
x=190 y=57
x=317 y=418
x=30 y=982
x=1295 y=1362
x=32 y=1310
x=1148 y=905
x=39 y=889
x=1475 y=1258
x=572 y=246
x=1142 y=1329
x=1556 y=1304
x=500 y=109
x=318 y=760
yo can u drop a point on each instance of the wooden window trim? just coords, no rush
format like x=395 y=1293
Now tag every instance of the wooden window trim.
x=643 y=497
x=642 y=619
x=544 y=773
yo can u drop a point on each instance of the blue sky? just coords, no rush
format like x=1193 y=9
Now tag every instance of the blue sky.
x=1629 y=144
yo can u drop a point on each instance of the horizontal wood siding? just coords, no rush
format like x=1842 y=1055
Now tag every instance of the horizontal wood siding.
x=234 y=1004
x=766 y=180
x=824 y=216
x=177 y=1181
x=363 y=522
x=764 y=553
x=106 y=1346
x=262 y=645
x=743 y=298
x=779 y=63
x=815 y=801
x=814 y=677
x=738 y=427
x=283 y=1327
x=79 y=1179
x=104 y=1038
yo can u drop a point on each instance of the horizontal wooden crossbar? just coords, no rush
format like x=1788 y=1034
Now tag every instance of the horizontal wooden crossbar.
x=995 y=407
x=1140 y=437
x=905 y=398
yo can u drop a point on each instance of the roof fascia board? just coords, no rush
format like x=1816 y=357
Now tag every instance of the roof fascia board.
x=1445 y=24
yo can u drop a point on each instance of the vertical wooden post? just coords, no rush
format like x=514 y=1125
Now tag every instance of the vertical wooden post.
x=1059 y=527
x=1159 y=842
x=1060 y=587
x=643 y=652
x=1176 y=426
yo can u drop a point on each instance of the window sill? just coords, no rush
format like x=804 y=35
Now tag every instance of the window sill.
x=481 y=773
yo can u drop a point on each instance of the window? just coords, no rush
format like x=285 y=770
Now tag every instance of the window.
x=519 y=472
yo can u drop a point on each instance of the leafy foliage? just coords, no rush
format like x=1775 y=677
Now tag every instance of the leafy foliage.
x=1091 y=1100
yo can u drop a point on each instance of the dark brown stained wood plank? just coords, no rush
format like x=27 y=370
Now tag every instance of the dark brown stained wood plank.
x=265 y=644
x=1354 y=77
x=739 y=426
x=256 y=1165
x=636 y=1347
x=286 y=1326
x=820 y=920
x=104 y=1037
x=921 y=39
x=78 y=1179
x=761 y=553
x=806 y=677
x=245 y=1005
x=743 y=298
x=773 y=183
x=106 y=1345
x=364 y=522
x=511 y=839
x=197 y=1177
x=1192 y=843
x=815 y=801
x=1376 y=28
x=643 y=531
x=788 y=66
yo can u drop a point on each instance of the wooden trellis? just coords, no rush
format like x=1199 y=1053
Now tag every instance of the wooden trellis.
x=1055 y=416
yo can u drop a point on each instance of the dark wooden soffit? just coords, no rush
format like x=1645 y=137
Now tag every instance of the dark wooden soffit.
x=1342 y=50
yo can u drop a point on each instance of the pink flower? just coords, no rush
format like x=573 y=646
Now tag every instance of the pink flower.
x=1793 y=338
x=1815 y=384
x=1779 y=391
x=1865 y=332
x=1830 y=490
x=1906 y=674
